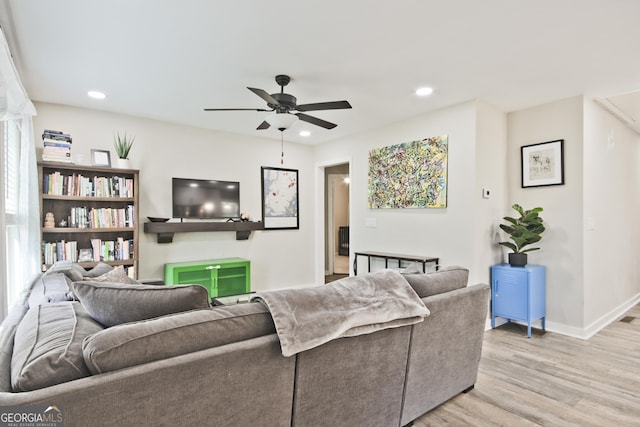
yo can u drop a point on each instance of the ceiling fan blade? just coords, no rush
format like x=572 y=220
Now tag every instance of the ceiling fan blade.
x=235 y=109
x=264 y=95
x=316 y=121
x=335 y=105
x=263 y=125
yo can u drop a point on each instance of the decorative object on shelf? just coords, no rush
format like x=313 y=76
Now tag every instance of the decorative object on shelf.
x=49 y=220
x=85 y=255
x=280 y=198
x=244 y=216
x=156 y=219
x=63 y=223
x=409 y=175
x=543 y=164
x=100 y=158
x=524 y=231
x=123 y=145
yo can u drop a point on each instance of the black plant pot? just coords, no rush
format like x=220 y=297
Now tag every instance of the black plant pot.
x=517 y=260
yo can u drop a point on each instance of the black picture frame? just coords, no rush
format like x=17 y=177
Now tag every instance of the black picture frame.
x=100 y=158
x=280 y=202
x=542 y=164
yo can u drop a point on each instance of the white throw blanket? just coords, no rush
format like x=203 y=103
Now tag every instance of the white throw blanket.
x=308 y=317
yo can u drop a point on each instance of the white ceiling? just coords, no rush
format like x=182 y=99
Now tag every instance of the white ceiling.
x=168 y=60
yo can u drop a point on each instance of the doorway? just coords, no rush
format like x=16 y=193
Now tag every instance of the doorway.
x=337 y=236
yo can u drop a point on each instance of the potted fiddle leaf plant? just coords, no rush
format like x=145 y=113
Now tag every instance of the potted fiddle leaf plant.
x=122 y=146
x=524 y=230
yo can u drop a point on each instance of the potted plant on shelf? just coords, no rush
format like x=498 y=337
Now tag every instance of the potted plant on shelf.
x=523 y=231
x=123 y=145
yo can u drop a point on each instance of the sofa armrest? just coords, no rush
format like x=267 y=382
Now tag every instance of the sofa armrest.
x=445 y=349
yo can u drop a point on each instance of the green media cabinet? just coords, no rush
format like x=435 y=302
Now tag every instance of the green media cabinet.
x=221 y=277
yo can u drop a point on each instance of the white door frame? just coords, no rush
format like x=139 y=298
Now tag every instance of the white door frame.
x=331 y=241
x=319 y=245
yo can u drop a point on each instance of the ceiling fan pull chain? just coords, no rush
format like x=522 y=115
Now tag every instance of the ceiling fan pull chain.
x=282 y=148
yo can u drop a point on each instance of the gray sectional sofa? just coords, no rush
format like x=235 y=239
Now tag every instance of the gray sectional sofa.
x=130 y=358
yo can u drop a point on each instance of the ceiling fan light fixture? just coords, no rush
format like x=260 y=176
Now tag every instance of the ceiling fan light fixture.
x=281 y=121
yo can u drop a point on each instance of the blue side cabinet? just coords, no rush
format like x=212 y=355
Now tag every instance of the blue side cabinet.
x=518 y=293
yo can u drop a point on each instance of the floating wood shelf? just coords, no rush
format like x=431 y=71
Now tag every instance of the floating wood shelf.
x=166 y=230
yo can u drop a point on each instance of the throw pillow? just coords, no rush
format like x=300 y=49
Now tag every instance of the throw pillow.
x=72 y=270
x=444 y=280
x=47 y=347
x=100 y=269
x=158 y=339
x=115 y=303
x=117 y=275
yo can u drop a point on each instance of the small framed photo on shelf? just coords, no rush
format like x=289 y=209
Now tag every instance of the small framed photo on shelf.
x=279 y=198
x=100 y=158
x=85 y=255
x=543 y=164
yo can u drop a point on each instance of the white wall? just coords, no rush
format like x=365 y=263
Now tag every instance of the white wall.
x=163 y=150
x=562 y=242
x=591 y=274
x=491 y=174
x=611 y=205
x=447 y=232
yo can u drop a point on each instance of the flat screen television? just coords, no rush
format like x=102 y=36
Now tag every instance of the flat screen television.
x=205 y=199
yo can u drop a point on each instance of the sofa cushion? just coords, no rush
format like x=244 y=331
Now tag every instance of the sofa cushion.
x=115 y=303
x=444 y=280
x=7 y=333
x=115 y=275
x=47 y=346
x=72 y=270
x=51 y=287
x=141 y=342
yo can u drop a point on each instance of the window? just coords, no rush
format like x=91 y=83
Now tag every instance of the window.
x=11 y=179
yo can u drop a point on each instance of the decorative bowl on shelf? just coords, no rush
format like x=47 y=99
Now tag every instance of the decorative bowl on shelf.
x=155 y=219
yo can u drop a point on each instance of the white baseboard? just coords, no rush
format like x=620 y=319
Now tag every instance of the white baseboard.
x=575 y=332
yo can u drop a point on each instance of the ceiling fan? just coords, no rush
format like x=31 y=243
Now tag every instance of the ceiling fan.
x=282 y=104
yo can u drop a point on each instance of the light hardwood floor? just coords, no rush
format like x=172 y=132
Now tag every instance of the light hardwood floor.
x=552 y=380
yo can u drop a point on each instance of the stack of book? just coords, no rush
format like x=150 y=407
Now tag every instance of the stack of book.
x=58 y=184
x=59 y=251
x=112 y=250
x=57 y=146
x=84 y=217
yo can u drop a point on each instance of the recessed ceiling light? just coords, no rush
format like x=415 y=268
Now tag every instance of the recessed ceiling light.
x=96 y=95
x=305 y=133
x=424 y=91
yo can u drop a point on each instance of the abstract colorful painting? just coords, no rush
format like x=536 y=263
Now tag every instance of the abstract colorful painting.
x=409 y=175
